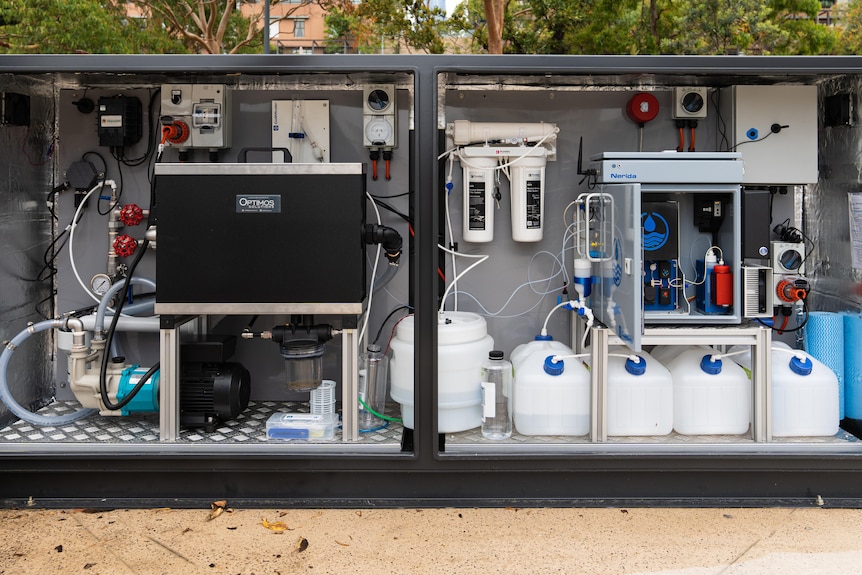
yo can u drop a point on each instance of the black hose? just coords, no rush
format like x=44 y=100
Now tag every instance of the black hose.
x=109 y=336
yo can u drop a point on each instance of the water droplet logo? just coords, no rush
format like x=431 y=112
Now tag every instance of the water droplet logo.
x=617 y=268
x=656 y=231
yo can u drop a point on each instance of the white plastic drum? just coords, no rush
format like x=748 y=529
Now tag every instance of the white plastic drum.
x=463 y=344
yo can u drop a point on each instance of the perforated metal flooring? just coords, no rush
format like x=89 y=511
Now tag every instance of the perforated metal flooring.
x=249 y=427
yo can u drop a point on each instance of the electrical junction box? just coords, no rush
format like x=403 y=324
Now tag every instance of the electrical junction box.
x=120 y=121
x=788 y=258
x=689 y=103
x=788 y=156
x=202 y=111
x=379 y=128
x=301 y=127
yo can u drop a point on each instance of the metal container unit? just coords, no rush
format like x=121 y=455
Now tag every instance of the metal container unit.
x=429 y=467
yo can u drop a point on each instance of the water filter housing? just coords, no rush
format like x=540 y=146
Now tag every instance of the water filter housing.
x=479 y=201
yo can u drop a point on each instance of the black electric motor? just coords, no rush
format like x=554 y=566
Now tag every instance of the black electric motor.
x=211 y=393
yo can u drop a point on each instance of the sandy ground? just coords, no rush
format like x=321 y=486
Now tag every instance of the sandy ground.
x=431 y=541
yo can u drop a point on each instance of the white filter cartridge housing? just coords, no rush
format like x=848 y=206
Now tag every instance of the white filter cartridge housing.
x=528 y=198
x=465 y=132
x=479 y=202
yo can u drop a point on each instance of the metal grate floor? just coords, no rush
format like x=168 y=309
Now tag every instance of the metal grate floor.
x=248 y=428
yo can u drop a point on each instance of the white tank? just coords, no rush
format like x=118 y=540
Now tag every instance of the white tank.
x=640 y=396
x=804 y=393
x=551 y=399
x=463 y=344
x=540 y=342
x=709 y=398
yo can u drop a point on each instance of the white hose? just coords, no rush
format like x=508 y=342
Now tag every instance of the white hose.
x=6 y=394
x=75 y=218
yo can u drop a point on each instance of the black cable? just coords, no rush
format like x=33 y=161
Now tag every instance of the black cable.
x=733 y=149
x=109 y=336
x=376 y=197
x=387 y=207
x=388 y=317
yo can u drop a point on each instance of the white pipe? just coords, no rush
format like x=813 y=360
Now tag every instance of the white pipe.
x=125 y=323
x=465 y=132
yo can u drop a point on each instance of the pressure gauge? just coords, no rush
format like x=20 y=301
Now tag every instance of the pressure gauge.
x=101 y=283
x=378 y=100
x=378 y=131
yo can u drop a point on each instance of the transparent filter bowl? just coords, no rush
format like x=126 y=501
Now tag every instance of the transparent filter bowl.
x=303 y=360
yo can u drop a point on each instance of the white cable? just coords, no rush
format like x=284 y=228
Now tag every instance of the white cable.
x=449 y=226
x=584 y=337
x=100 y=186
x=363 y=331
x=480 y=259
x=559 y=358
x=550 y=313
x=717 y=356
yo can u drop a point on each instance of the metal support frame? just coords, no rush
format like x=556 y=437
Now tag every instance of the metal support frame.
x=349 y=385
x=169 y=377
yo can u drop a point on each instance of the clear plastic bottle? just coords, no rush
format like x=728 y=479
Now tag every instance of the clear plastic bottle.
x=496 y=394
x=373 y=371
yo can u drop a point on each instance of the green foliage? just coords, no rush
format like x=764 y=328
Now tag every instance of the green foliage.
x=70 y=26
x=397 y=23
x=850 y=15
x=656 y=27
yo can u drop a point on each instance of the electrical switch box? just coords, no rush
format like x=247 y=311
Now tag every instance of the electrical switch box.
x=379 y=116
x=689 y=103
x=775 y=130
x=120 y=121
x=198 y=115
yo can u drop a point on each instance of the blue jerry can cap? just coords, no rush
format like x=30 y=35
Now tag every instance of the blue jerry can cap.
x=552 y=368
x=709 y=366
x=540 y=337
x=636 y=368
x=801 y=366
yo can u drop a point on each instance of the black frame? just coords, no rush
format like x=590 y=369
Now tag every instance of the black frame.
x=428 y=476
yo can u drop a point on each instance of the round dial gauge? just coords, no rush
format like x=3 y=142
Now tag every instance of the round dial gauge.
x=378 y=131
x=378 y=100
x=100 y=283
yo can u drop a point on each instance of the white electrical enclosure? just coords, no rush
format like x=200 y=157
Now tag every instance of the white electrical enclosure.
x=788 y=156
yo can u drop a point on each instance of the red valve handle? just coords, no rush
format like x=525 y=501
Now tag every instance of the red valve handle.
x=131 y=214
x=125 y=245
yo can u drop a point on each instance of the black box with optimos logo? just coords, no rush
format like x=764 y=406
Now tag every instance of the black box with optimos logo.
x=260 y=238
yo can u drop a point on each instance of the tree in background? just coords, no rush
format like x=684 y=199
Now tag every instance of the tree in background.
x=652 y=27
x=82 y=26
x=213 y=26
x=850 y=16
x=405 y=23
